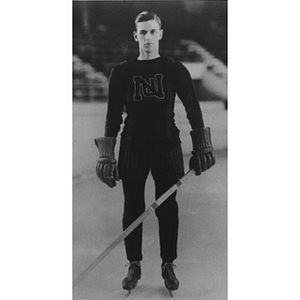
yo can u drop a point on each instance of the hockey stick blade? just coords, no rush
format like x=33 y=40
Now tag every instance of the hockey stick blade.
x=135 y=224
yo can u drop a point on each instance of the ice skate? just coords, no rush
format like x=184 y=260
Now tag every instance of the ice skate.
x=134 y=274
x=168 y=274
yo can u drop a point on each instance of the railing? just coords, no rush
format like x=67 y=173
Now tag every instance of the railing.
x=89 y=92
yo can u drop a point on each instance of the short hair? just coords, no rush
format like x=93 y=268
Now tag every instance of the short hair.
x=147 y=16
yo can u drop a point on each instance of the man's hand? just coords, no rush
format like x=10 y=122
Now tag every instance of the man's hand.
x=203 y=157
x=107 y=171
x=106 y=168
x=201 y=163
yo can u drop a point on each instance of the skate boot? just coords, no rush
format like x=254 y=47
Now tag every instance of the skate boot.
x=134 y=274
x=171 y=282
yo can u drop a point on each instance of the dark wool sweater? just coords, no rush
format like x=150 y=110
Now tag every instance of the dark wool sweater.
x=146 y=89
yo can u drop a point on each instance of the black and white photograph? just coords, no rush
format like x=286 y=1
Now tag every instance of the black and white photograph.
x=150 y=150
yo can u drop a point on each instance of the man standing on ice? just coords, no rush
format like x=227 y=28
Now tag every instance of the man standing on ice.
x=146 y=87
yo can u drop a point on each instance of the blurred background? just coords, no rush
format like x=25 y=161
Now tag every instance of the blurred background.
x=195 y=33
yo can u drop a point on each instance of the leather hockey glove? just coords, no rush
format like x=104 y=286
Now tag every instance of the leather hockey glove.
x=203 y=157
x=106 y=168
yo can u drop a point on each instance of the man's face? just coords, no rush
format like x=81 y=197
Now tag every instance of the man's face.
x=148 y=35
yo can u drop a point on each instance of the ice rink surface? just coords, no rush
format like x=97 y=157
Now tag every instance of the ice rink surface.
x=97 y=218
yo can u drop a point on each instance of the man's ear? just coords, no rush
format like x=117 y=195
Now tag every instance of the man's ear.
x=135 y=36
x=161 y=33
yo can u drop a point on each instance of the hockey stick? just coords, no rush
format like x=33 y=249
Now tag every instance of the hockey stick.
x=130 y=228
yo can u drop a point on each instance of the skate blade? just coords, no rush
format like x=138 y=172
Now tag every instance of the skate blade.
x=129 y=292
x=170 y=293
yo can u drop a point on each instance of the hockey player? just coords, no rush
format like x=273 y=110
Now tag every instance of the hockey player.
x=146 y=87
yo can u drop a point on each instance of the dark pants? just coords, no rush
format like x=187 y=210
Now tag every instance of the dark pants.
x=166 y=168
